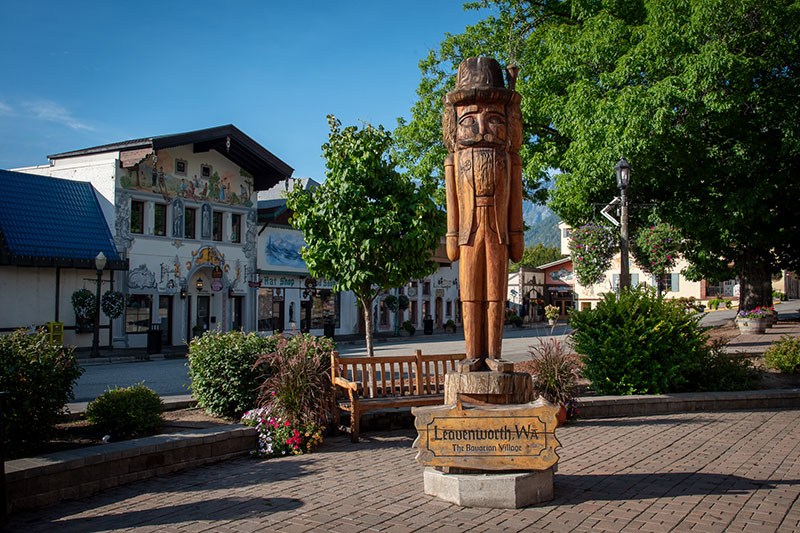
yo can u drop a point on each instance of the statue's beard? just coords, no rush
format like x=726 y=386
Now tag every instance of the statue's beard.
x=482 y=164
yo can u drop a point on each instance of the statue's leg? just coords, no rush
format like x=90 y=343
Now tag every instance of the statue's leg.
x=472 y=275
x=496 y=293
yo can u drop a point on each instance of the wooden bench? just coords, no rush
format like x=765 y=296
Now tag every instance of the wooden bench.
x=386 y=382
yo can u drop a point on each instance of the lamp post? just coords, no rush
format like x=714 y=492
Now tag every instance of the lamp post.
x=623 y=171
x=100 y=263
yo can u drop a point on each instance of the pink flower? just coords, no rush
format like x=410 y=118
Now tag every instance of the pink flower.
x=286 y=423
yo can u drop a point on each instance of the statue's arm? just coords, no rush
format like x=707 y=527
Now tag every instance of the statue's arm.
x=516 y=236
x=452 y=208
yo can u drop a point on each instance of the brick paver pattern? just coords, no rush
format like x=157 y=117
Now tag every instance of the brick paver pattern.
x=709 y=471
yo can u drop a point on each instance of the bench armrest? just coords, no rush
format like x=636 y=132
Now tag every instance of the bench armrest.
x=345 y=384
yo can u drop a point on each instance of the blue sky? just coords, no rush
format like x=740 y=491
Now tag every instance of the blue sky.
x=80 y=74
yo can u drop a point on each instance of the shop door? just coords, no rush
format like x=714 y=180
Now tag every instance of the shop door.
x=439 y=312
x=203 y=308
x=277 y=316
x=236 y=312
x=563 y=307
x=165 y=314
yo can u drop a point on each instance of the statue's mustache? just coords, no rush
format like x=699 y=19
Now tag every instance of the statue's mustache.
x=480 y=138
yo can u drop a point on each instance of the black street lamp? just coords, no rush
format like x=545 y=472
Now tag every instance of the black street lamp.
x=623 y=171
x=100 y=264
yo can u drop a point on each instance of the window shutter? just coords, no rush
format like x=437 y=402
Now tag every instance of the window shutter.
x=676 y=282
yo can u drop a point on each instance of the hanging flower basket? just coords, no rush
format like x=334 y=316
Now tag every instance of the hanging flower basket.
x=83 y=302
x=592 y=247
x=112 y=303
x=656 y=249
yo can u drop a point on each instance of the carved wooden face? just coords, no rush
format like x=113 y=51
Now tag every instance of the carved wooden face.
x=481 y=125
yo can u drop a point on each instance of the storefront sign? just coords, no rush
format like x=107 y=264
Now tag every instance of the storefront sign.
x=216 y=285
x=488 y=437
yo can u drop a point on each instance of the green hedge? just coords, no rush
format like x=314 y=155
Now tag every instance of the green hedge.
x=223 y=379
x=124 y=412
x=644 y=344
x=39 y=375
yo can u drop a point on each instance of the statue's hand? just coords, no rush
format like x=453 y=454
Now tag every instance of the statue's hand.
x=516 y=246
x=452 y=247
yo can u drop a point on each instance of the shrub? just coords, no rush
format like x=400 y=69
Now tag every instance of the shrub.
x=39 y=376
x=555 y=372
x=514 y=320
x=641 y=344
x=714 y=303
x=221 y=369
x=298 y=387
x=124 y=412
x=716 y=370
x=409 y=327
x=784 y=355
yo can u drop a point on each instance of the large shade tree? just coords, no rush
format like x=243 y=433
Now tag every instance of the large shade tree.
x=367 y=226
x=701 y=96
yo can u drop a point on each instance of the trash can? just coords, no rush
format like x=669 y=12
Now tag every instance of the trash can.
x=154 y=339
x=428 y=325
x=329 y=329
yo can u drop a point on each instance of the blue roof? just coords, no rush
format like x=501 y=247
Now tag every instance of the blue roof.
x=53 y=219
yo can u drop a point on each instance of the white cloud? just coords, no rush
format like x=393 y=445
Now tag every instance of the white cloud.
x=5 y=109
x=53 y=112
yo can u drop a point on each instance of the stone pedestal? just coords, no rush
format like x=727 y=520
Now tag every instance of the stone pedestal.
x=496 y=490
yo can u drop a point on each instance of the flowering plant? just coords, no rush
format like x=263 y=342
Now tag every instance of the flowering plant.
x=551 y=312
x=758 y=312
x=83 y=301
x=277 y=435
x=656 y=249
x=111 y=303
x=592 y=248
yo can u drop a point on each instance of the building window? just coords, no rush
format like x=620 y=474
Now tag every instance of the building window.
x=189 y=219
x=180 y=167
x=236 y=228
x=426 y=288
x=715 y=289
x=413 y=314
x=448 y=309
x=137 y=216
x=325 y=307
x=669 y=283
x=137 y=313
x=216 y=225
x=205 y=171
x=160 y=219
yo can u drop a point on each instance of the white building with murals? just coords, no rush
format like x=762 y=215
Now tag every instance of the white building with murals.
x=182 y=212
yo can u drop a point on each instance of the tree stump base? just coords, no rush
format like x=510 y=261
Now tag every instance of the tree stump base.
x=484 y=388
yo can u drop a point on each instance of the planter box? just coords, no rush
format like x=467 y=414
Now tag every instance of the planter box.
x=750 y=326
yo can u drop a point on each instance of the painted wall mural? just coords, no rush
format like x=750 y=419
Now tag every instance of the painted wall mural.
x=282 y=250
x=562 y=275
x=173 y=177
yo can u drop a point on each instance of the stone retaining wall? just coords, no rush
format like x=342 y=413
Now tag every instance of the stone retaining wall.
x=40 y=481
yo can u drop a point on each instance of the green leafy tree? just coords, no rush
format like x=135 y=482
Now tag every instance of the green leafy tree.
x=368 y=227
x=699 y=95
x=534 y=256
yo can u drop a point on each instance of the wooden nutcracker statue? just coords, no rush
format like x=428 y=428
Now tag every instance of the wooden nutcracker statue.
x=482 y=125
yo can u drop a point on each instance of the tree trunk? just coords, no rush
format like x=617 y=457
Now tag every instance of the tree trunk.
x=755 y=283
x=366 y=305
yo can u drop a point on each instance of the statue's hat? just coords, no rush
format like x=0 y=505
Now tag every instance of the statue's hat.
x=480 y=79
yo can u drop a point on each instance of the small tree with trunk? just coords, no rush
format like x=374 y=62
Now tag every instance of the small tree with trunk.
x=368 y=227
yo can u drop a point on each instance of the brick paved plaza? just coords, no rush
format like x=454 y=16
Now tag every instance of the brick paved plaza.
x=712 y=471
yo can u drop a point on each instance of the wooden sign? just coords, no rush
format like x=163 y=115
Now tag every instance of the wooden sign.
x=488 y=437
